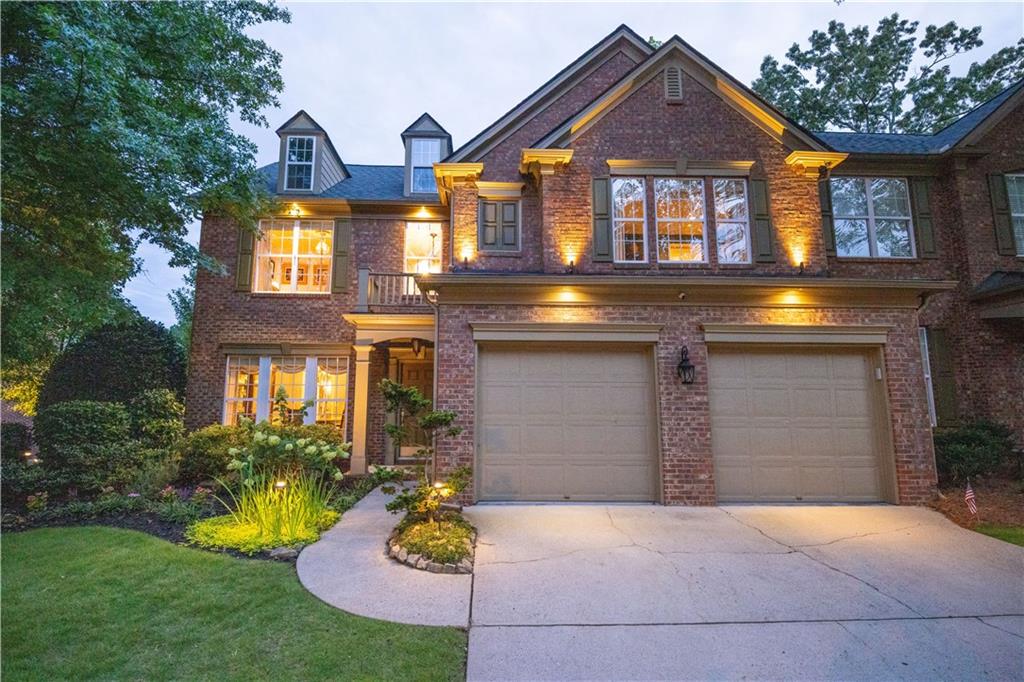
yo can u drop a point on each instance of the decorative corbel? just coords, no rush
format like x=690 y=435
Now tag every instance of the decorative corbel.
x=447 y=175
x=814 y=164
x=538 y=162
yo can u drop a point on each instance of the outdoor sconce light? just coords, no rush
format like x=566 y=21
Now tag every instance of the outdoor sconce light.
x=417 y=347
x=685 y=369
x=570 y=269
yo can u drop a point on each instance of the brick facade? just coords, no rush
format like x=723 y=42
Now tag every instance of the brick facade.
x=556 y=226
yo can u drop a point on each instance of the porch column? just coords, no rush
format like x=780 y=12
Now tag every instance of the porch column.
x=357 y=463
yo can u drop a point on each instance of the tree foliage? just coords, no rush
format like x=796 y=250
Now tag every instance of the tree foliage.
x=116 y=363
x=183 y=301
x=116 y=130
x=890 y=81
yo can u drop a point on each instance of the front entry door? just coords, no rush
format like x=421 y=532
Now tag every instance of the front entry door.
x=421 y=375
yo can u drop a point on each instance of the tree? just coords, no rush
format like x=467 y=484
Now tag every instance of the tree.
x=183 y=301
x=116 y=130
x=869 y=83
x=116 y=363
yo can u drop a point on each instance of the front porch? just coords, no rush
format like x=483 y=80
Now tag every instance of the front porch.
x=395 y=337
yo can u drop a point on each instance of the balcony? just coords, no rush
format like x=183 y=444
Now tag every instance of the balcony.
x=389 y=292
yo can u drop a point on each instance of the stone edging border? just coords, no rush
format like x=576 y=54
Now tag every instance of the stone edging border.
x=395 y=551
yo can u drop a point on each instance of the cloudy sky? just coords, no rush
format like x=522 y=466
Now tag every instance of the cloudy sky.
x=366 y=71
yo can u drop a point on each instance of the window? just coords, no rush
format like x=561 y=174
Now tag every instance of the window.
x=732 y=222
x=253 y=383
x=422 y=251
x=679 y=214
x=629 y=235
x=872 y=218
x=240 y=389
x=298 y=172
x=498 y=226
x=425 y=153
x=294 y=256
x=1015 y=193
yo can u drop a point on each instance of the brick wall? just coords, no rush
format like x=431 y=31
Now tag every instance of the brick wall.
x=685 y=438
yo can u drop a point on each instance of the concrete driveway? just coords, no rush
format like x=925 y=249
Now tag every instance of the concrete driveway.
x=764 y=592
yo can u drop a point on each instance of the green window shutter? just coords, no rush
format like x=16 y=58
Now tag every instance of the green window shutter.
x=828 y=227
x=1001 y=215
x=764 y=251
x=488 y=225
x=243 y=262
x=943 y=377
x=601 y=210
x=342 y=247
x=509 y=224
x=920 y=201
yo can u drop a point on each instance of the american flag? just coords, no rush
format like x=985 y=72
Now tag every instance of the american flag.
x=969 y=499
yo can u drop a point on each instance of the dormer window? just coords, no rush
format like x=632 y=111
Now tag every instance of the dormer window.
x=425 y=153
x=299 y=162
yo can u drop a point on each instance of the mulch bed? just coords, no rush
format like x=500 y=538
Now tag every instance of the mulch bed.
x=1000 y=501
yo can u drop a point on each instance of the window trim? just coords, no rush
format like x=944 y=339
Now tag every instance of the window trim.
x=615 y=220
x=1018 y=245
x=749 y=241
x=296 y=228
x=870 y=219
x=311 y=163
x=413 y=165
x=497 y=250
x=659 y=221
x=263 y=398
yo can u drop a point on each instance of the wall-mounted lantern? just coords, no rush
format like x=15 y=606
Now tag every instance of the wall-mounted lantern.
x=685 y=369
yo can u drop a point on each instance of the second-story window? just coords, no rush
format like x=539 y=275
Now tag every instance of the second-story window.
x=294 y=256
x=425 y=153
x=1015 y=193
x=872 y=218
x=732 y=220
x=629 y=235
x=679 y=214
x=299 y=163
x=422 y=251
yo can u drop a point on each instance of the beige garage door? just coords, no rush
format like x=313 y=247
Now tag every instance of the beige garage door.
x=794 y=425
x=566 y=423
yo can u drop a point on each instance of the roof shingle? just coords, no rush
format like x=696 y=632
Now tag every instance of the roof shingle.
x=367 y=183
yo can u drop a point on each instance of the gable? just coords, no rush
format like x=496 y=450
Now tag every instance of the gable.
x=676 y=53
x=300 y=121
x=425 y=125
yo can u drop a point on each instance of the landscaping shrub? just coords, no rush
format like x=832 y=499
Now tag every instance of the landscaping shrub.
x=977 y=449
x=158 y=470
x=269 y=451
x=88 y=444
x=157 y=418
x=15 y=440
x=115 y=363
x=21 y=479
x=269 y=512
x=446 y=541
x=204 y=454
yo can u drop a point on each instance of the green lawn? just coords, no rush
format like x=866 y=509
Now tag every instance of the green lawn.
x=91 y=603
x=1014 y=534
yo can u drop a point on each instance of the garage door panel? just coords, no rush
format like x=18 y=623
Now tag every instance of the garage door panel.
x=566 y=424
x=804 y=428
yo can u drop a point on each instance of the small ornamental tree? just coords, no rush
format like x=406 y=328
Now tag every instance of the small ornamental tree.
x=413 y=409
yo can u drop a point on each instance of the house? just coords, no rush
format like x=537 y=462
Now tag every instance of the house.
x=641 y=283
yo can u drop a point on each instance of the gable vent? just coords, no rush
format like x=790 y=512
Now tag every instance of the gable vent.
x=674 y=84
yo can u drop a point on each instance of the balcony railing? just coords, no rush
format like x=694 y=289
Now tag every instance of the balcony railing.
x=388 y=292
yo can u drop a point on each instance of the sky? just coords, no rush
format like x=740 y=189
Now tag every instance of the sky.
x=366 y=71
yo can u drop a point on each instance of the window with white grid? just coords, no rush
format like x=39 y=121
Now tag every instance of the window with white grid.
x=732 y=220
x=294 y=256
x=629 y=233
x=679 y=214
x=240 y=388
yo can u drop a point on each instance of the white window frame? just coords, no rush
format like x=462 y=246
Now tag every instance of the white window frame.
x=264 y=400
x=413 y=165
x=231 y=400
x=658 y=222
x=295 y=256
x=926 y=364
x=870 y=218
x=410 y=286
x=311 y=163
x=617 y=221
x=1013 y=229
x=732 y=221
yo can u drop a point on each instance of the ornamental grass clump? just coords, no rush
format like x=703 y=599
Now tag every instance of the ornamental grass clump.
x=270 y=511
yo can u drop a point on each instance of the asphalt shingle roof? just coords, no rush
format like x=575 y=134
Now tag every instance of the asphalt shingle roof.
x=368 y=183
x=885 y=143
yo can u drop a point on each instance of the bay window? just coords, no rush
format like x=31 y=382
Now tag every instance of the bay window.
x=872 y=218
x=253 y=383
x=629 y=233
x=298 y=173
x=732 y=220
x=294 y=256
x=679 y=215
